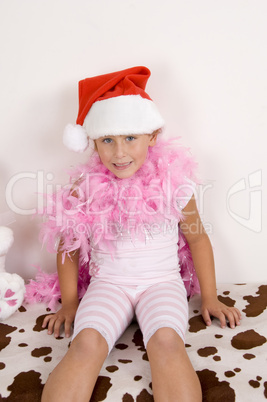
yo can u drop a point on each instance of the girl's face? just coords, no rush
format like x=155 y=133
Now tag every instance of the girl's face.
x=123 y=155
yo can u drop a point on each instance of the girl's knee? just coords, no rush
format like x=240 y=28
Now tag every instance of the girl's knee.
x=165 y=340
x=89 y=342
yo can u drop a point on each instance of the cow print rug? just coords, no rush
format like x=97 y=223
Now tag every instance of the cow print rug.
x=231 y=363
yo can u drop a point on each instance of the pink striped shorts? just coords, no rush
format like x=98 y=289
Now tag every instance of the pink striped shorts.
x=110 y=308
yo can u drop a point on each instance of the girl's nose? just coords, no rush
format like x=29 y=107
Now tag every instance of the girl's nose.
x=119 y=150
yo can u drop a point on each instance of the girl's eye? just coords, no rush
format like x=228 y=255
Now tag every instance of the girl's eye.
x=107 y=140
x=130 y=138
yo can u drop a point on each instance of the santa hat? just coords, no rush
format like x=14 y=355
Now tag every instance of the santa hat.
x=113 y=104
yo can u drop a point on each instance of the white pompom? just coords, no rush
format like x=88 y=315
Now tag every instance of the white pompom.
x=75 y=138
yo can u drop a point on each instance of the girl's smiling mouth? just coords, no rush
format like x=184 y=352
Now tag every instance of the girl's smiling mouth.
x=122 y=166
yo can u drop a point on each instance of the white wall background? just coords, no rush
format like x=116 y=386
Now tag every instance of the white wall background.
x=209 y=63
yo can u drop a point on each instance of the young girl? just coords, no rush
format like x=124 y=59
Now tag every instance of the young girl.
x=121 y=219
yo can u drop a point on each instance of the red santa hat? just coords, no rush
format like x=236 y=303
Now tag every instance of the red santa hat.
x=113 y=104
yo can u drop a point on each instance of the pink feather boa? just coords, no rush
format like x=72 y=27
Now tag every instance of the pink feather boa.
x=98 y=206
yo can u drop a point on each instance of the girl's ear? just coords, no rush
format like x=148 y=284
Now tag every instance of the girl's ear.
x=153 y=138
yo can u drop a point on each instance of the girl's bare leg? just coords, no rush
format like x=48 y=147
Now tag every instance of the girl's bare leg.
x=74 y=378
x=173 y=376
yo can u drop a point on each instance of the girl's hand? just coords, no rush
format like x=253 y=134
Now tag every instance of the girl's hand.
x=64 y=316
x=219 y=310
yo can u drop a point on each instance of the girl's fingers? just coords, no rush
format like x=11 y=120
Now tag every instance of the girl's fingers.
x=233 y=315
x=237 y=316
x=46 y=320
x=231 y=318
x=206 y=317
x=222 y=319
x=68 y=328
x=50 y=327
x=57 y=326
x=53 y=323
x=223 y=313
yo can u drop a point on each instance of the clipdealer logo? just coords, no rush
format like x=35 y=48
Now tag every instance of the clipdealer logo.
x=251 y=189
x=167 y=199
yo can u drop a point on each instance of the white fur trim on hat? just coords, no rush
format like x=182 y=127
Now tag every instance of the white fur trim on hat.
x=75 y=138
x=122 y=115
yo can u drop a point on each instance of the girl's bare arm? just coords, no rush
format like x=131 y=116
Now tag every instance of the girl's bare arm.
x=202 y=255
x=68 y=280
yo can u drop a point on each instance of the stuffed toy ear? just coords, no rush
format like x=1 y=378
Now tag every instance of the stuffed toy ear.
x=12 y=287
x=6 y=241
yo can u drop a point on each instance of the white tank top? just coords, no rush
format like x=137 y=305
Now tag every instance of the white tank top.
x=148 y=261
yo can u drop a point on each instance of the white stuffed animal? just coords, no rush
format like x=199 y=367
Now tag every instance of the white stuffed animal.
x=12 y=286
